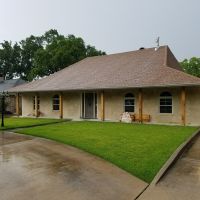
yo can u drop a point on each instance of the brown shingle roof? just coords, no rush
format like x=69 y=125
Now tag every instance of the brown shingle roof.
x=135 y=69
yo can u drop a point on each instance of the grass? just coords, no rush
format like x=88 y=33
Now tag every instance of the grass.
x=139 y=149
x=15 y=122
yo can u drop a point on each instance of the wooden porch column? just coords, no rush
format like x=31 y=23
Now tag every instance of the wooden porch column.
x=140 y=99
x=17 y=104
x=36 y=106
x=183 y=106
x=102 y=110
x=61 y=105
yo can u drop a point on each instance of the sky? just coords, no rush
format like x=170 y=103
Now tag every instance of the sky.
x=109 y=25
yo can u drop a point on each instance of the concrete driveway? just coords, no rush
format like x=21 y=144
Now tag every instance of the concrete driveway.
x=39 y=169
x=182 y=182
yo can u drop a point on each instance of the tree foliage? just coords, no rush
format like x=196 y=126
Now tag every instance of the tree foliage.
x=9 y=59
x=38 y=56
x=29 y=47
x=191 y=66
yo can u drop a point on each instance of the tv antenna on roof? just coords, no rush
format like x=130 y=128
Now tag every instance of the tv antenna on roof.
x=158 y=43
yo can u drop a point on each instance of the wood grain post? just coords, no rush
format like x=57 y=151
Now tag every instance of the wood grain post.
x=183 y=106
x=17 y=104
x=61 y=105
x=102 y=110
x=140 y=99
x=36 y=106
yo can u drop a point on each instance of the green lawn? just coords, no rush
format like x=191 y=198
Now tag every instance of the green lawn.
x=17 y=122
x=138 y=149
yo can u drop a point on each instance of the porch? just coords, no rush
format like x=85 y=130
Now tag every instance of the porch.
x=110 y=104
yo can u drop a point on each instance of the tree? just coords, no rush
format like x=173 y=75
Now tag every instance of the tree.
x=59 y=53
x=9 y=59
x=50 y=36
x=38 y=56
x=191 y=66
x=91 y=51
x=29 y=47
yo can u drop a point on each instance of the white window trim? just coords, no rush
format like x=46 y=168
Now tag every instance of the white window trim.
x=164 y=97
x=129 y=98
x=52 y=100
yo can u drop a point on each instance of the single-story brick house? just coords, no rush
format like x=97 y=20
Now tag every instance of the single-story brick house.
x=148 y=83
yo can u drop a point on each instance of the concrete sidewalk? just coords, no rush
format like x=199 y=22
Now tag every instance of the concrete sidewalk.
x=182 y=182
x=39 y=169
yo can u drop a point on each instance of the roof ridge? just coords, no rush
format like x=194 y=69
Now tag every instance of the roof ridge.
x=166 y=54
x=170 y=60
x=137 y=50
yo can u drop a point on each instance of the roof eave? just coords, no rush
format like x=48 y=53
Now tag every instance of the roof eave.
x=107 y=88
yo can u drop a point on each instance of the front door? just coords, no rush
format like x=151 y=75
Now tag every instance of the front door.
x=89 y=105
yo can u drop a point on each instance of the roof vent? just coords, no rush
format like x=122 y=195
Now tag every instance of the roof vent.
x=141 y=48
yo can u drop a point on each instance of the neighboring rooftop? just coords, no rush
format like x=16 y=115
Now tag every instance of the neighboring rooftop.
x=135 y=69
x=5 y=85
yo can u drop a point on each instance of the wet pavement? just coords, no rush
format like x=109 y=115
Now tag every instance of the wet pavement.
x=182 y=181
x=39 y=169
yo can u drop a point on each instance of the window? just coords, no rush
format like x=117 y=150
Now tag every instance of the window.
x=129 y=103
x=38 y=102
x=165 y=102
x=56 y=102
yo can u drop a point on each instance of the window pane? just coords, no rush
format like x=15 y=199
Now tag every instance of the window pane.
x=165 y=101
x=55 y=107
x=55 y=101
x=165 y=109
x=38 y=103
x=129 y=108
x=129 y=102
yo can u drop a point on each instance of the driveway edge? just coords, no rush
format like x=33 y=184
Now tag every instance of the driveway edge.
x=174 y=157
x=32 y=126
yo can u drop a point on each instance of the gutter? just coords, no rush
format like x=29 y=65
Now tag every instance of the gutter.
x=100 y=89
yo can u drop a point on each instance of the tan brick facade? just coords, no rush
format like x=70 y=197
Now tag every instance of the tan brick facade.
x=114 y=105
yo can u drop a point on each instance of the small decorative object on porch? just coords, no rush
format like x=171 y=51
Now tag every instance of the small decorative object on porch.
x=126 y=117
x=2 y=96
